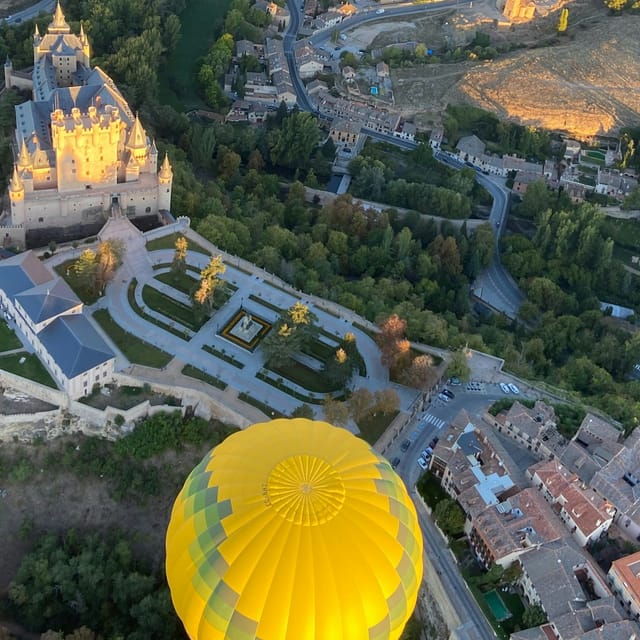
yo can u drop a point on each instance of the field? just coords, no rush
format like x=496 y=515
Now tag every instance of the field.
x=592 y=73
x=202 y=22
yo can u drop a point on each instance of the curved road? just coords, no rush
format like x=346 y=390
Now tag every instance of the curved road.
x=46 y=6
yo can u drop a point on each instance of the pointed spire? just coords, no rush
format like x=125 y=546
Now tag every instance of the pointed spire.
x=137 y=136
x=16 y=181
x=24 y=158
x=154 y=149
x=165 y=169
x=59 y=23
x=7 y=62
x=82 y=36
x=36 y=32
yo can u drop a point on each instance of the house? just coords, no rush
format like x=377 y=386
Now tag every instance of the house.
x=348 y=73
x=382 y=70
x=80 y=150
x=310 y=8
x=572 y=150
x=239 y=111
x=308 y=61
x=575 y=189
x=347 y=9
x=519 y=10
x=569 y=588
x=317 y=86
x=624 y=578
x=327 y=20
x=612 y=183
x=534 y=429
x=470 y=148
x=248 y=48
x=405 y=131
x=619 y=483
x=523 y=179
x=502 y=532
x=345 y=131
x=50 y=317
x=583 y=511
x=436 y=136
x=514 y=163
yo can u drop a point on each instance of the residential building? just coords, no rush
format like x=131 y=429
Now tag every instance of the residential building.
x=348 y=73
x=502 y=532
x=308 y=61
x=382 y=70
x=49 y=316
x=582 y=510
x=347 y=9
x=569 y=588
x=436 y=137
x=624 y=578
x=327 y=20
x=470 y=149
x=572 y=150
x=80 y=151
x=345 y=132
x=612 y=183
x=405 y=131
x=317 y=86
x=619 y=483
x=534 y=429
x=523 y=179
x=514 y=163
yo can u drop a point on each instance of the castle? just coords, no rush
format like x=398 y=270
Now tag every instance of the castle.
x=80 y=151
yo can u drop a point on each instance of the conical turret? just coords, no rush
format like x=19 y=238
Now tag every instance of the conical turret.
x=137 y=141
x=166 y=173
x=59 y=24
x=24 y=158
x=16 y=186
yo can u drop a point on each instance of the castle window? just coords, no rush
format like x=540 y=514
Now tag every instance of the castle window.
x=148 y=210
x=40 y=219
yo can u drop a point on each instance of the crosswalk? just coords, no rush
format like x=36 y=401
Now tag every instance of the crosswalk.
x=438 y=423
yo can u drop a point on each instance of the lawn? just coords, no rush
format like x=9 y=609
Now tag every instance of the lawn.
x=199 y=374
x=202 y=22
x=170 y=308
x=182 y=282
x=31 y=368
x=169 y=242
x=373 y=426
x=66 y=272
x=8 y=339
x=265 y=408
x=171 y=328
x=305 y=377
x=135 y=350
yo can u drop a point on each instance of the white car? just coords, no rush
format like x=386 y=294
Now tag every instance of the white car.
x=442 y=397
x=423 y=463
x=504 y=387
x=513 y=388
x=379 y=11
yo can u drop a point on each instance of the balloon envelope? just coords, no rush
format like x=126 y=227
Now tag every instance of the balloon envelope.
x=294 y=530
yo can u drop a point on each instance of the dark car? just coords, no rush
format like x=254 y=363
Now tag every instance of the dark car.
x=448 y=393
x=405 y=445
x=434 y=442
x=395 y=462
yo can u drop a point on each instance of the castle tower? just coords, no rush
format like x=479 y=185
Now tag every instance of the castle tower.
x=59 y=24
x=137 y=142
x=24 y=158
x=16 y=196
x=153 y=157
x=85 y=45
x=165 y=180
x=8 y=71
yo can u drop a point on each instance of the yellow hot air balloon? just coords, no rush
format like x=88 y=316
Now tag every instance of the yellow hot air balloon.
x=294 y=530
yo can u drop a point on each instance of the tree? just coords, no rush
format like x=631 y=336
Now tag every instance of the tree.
x=458 y=366
x=386 y=401
x=293 y=144
x=392 y=342
x=563 y=20
x=535 y=200
x=420 y=374
x=450 y=517
x=108 y=258
x=335 y=412
x=85 y=268
x=210 y=282
x=615 y=6
x=303 y=411
x=293 y=331
x=360 y=403
x=179 y=263
x=533 y=616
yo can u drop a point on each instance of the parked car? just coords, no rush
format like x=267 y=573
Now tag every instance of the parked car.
x=434 y=442
x=504 y=387
x=442 y=397
x=379 y=11
x=455 y=382
x=513 y=388
x=395 y=462
x=405 y=445
x=423 y=463
x=426 y=453
x=448 y=393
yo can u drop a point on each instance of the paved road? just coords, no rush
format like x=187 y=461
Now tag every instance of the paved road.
x=433 y=421
x=44 y=6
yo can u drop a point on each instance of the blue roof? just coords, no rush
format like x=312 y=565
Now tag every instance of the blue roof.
x=22 y=272
x=48 y=300
x=75 y=345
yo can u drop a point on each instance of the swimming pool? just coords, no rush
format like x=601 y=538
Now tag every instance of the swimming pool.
x=497 y=606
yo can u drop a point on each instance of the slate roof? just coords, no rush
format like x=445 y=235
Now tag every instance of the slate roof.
x=47 y=300
x=75 y=345
x=21 y=272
